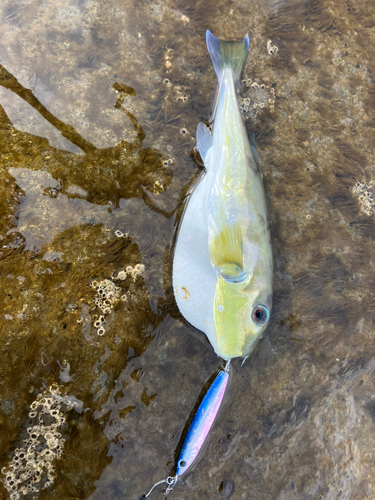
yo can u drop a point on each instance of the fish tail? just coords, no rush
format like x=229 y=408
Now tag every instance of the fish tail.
x=227 y=54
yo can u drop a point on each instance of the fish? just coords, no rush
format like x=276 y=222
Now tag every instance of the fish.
x=199 y=429
x=223 y=263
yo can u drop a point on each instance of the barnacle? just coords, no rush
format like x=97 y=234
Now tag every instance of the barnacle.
x=120 y=234
x=365 y=194
x=182 y=98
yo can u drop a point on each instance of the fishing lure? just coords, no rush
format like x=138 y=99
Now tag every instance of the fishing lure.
x=199 y=429
x=222 y=267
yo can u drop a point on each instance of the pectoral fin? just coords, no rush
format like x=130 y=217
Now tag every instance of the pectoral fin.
x=226 y=255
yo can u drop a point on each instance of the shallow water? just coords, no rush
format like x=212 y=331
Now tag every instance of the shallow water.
x=99 y=106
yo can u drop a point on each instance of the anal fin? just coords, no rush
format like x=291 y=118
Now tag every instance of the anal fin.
x=204 y=140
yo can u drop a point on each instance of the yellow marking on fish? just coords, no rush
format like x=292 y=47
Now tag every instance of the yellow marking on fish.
x=229 y=328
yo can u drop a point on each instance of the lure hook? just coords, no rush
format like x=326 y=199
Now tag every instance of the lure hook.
x=171 y=481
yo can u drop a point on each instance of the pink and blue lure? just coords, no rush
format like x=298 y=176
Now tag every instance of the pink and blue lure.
x=199 y=429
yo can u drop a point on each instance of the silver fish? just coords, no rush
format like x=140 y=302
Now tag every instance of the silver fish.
x=222 y=268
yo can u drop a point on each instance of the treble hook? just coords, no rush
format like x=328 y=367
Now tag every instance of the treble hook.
x=171 y=481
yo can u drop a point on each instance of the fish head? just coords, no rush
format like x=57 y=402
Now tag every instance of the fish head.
x=243 y=292
x=241 y=314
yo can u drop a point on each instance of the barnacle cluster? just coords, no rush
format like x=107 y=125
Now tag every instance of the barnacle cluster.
x=108 y=294
x=168 y=162
x=168 y=56
x=181 y=94
x=32 y=468
x=365 y=193
x=158 y=187
x=259 y=96
x=271 y=49
x=179 y=90
x=134 y=272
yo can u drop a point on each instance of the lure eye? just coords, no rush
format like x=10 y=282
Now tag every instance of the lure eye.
x=182 y=463
x=260 y=315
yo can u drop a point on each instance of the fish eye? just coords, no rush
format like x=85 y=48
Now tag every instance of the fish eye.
x=260 y=315
x=182 y=463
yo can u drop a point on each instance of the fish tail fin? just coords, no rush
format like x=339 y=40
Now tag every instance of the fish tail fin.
x=227 y=54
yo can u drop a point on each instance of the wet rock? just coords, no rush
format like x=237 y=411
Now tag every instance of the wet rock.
x=226 y=488
x=97 y=127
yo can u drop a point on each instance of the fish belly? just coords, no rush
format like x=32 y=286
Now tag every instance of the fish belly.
x=194 y=279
